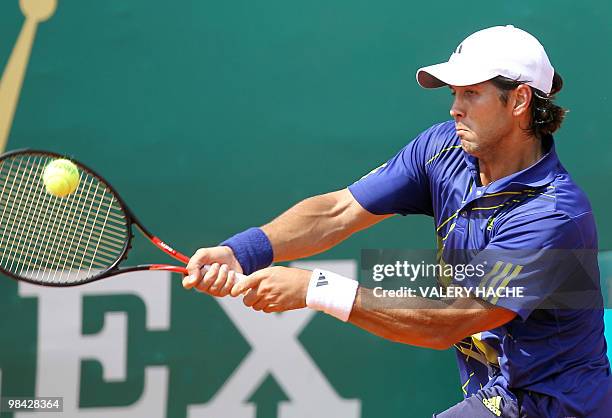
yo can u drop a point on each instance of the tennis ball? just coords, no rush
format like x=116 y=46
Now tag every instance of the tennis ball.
x=61 y=177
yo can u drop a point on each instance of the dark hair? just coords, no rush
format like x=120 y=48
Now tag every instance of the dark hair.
x=546 y=117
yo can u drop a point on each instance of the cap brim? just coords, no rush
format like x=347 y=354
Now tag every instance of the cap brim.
x=453 y=74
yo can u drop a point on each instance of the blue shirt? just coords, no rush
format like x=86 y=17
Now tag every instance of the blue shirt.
x=533 y=229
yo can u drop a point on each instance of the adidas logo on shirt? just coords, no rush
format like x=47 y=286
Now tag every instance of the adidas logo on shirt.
x=492 y=405
x=322 y=280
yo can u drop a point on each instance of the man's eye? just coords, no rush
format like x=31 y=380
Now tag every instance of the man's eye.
x=470 y=92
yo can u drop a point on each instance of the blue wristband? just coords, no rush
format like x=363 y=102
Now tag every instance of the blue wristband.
x=252 y=249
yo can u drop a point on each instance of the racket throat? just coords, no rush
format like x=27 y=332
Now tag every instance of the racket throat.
x=165 y=267
x=169 y=250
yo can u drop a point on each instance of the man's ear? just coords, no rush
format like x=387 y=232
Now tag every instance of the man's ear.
x=522 y=99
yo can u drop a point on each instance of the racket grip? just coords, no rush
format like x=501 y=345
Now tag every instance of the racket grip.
x=239 y=276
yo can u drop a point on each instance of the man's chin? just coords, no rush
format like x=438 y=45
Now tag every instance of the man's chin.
x=468 y=146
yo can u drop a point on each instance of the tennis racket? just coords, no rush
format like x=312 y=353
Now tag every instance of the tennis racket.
x=66 y=241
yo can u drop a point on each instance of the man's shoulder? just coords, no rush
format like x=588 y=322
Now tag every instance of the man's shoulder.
x=570 y=199
x=554 y=213
x=437 y=144
x=444 y=128
x=440 y=134
x=573 y=202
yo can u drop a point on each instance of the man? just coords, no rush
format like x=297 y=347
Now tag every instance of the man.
x=492 y=181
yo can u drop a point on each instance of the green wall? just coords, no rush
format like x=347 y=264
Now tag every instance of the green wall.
x=226 y=113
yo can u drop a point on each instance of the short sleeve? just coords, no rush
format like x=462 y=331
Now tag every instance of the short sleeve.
x=536 y=262
x=400 y=185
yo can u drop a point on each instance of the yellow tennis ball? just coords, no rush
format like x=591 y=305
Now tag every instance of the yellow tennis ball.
x=61 y=177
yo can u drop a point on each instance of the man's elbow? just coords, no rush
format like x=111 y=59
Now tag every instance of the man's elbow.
x=434 y=340
x=453 y=331
x=447 y=336
x=442 y=342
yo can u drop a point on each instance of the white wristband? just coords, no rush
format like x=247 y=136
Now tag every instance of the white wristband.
x=331 y=293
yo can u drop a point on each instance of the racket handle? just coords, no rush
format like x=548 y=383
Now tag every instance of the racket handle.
x=239 y=276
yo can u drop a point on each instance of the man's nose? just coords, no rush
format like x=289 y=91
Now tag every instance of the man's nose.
x=456 y=111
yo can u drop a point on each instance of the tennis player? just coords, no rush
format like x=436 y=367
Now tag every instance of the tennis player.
x=493 y=183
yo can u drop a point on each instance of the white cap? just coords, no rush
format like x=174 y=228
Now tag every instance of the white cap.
x=498 y=51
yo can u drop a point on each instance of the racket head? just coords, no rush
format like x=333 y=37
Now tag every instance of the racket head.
x=59 y=241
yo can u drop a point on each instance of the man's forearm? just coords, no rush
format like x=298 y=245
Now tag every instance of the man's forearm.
x=424 y=322
x=418 y=321
x=317 y=224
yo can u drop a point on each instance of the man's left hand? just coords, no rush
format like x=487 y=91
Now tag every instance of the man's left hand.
x=274 y=289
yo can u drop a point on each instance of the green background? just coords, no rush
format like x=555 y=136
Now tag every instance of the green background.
x=210 y=117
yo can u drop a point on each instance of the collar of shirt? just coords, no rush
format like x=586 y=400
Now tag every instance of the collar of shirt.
x=537 y=175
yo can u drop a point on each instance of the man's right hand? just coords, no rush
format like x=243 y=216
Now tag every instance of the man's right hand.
x=217 y=281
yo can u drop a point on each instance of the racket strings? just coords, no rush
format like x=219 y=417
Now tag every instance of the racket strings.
x=104 y=199
x=25 y=228
x=38 y=247
x=115 y=234
x=49 y=239
x=49 y=236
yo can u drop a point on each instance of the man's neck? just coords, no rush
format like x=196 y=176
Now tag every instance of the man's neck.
x=510 y=157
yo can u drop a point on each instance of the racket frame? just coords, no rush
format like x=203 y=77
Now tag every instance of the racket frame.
x=131 y=221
